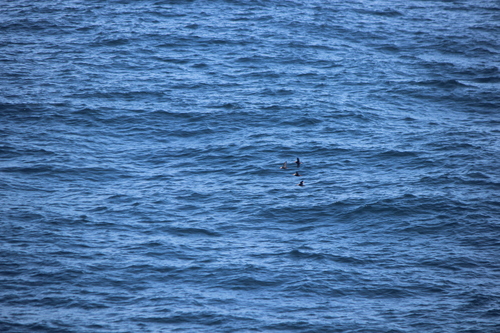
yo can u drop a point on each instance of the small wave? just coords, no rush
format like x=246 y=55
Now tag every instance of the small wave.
x=477 y=174
x=297 y=254
x=448 y=264
x=302 y=122
x=389 y=48
x=192 y=133
x=9 y=152
x=483 y=51
x=164 y=115
x=431 y=229
x=180 y=231
x=30 y=169
x=397 y=153
x=277 y=92
x=119 y=95
x=34 y=25
x=385 y=292
x=227 y=105
x=445 y=84
x=105 y=42
x=248 y=282
x=192 y=319
x=200 y=65
x=491 y=79
x=386 y=12
x=179 y=61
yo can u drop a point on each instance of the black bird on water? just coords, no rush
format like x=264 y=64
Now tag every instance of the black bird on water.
x=298 y=162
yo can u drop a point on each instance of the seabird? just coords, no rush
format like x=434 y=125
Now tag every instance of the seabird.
x=298 y=162
x=284 y=166
x=297 y=174
x=301 y=183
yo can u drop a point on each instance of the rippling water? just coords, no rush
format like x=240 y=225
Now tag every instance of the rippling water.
x=141 y=145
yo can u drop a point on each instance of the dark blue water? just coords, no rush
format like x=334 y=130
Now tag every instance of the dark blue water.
x=140 y=153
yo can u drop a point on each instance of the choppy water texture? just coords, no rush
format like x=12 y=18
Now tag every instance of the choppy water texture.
x=141 y=145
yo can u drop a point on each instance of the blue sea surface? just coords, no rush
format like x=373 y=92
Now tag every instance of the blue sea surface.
x=140 y=152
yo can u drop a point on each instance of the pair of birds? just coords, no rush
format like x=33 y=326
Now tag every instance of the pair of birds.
x=298 y=162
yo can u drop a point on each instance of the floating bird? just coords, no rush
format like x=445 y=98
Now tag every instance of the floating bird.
x=301 y=183
x=298 y=162
x=297 y=174
x=284 y=166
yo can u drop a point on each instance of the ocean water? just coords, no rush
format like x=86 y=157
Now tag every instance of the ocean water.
x=140 y=152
